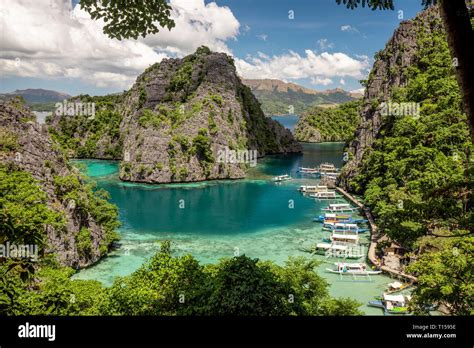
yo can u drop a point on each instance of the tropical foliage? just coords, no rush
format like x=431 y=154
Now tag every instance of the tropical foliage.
x=328 y=124
x=24 y=212
x=167 y=285
x=89 y=202
x=446 y=276
x=83 y=136
x=418 y=177
x=129 y=20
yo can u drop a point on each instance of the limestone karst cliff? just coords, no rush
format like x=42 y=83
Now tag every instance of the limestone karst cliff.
x=84 y=223
x=174 y=122
x=388 y=73
x=181 y=112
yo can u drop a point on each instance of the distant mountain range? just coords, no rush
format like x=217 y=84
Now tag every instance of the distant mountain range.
x=38 y=99
x=277 y=96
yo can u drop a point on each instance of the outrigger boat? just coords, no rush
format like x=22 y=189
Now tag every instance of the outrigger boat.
x=328 y=225
x=313 y=189
x=343 y=268
x=345 y=237
x=324 y=195
x=281 y=178
x=332 y=217
x=339 y=208
x=328 y=221
x=338 y=249
x=330 y=175
x=397 y=287
x=304 y=170
x=327 y=168
x=343 y=226
x=392 y=304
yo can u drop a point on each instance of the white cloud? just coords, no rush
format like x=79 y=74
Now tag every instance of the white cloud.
x=197 y=24
x=324 y=44
x=349 y=29
x=359 y=90
x=342 y=82
x=50 y=39
x=261 y=55
x=294 y=66
x=262 y=37
x=320 y=81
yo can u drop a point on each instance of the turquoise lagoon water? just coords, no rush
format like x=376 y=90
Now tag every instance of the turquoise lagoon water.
x=287 y=121
x=254 y=216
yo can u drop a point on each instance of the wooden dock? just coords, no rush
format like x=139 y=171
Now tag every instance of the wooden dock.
x=374 y=238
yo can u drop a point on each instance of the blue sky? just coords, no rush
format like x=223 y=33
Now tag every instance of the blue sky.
x=314 y=20
x=267 y=43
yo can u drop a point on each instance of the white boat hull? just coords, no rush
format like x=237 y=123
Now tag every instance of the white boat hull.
x=340 y=210
x=353 y=272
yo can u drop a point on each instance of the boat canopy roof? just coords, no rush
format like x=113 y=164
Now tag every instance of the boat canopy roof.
x=396 y=285
x=338 y=247
x=330 y=215
x=327 y=165
x=342 y=224
x=394 y=298
x=330 y=193
x=350 y=265
x=345 y=236
x=339 y=205
x=331 y=246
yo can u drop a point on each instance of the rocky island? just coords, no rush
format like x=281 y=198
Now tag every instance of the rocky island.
x=175 y=120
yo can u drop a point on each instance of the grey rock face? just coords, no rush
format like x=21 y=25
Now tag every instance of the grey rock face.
x=387 y=74
x=180 y=115
x=40 y=156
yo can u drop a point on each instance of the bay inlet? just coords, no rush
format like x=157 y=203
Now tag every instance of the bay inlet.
x=217 y=219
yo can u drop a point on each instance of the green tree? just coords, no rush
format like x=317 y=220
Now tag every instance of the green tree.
x=24 y=213
x=202 y=146
x=446 y=276
x=51 y=292
x=241 y=287
x=309 y=291
x=130 y=18
x=165 y=285
x=168 y=285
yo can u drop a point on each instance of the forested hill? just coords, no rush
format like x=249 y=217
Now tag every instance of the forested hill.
x=281 y=98
x=411 y=161
x=38 y=99
x=328 y=124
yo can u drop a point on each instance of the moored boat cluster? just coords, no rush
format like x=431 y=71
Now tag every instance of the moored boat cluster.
x=343 y=241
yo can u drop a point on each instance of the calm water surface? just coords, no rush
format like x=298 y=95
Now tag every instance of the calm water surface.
x=41 y=116
x=287 y=121
x=254 y=216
